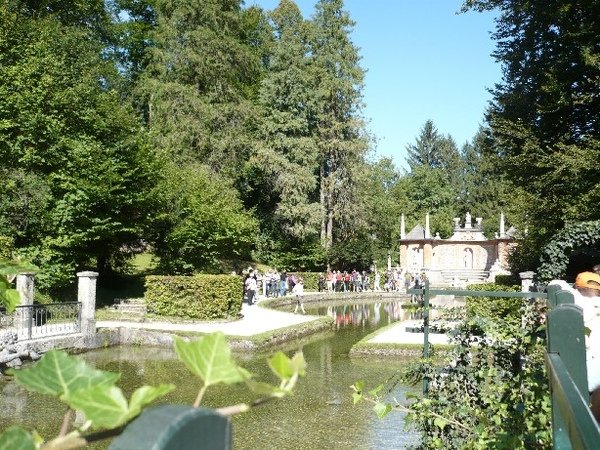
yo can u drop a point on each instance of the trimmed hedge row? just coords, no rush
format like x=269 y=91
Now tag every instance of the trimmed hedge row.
x=200 y=296
x=495 y=309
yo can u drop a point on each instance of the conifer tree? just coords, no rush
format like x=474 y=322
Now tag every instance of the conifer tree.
x=342 y=138
x=200 y=83
x=286 y=150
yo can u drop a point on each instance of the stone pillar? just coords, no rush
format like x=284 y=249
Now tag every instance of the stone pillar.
x=427 y=255
x=25 y=287
x=86 y=295
x=427 y=232
x=402 y=227
x=403 y=256
x=502 y=231
x=526 y=281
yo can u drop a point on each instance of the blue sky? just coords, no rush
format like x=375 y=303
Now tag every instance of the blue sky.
x=423 y=61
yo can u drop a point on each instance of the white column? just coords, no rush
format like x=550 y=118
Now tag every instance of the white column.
x=427 y=232
x=502 y=232
x=402 y=227
x=86 y=295
x=25 y=288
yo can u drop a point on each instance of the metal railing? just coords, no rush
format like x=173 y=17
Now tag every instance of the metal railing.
x=573 y=425
x=34 y=321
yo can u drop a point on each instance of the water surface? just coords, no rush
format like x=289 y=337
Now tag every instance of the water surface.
x=319 y=415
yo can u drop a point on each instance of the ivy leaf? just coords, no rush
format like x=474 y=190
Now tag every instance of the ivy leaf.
x=16 y=438
x=147 y=394
x=375 y=391
x=210 y=358
x=440 y=422
x=60 y=374
x=281 y=365
x=358 y=386
x=382 y=409
x=104 y=406
x=266 y=389
x=10 y=298
x=299 y=364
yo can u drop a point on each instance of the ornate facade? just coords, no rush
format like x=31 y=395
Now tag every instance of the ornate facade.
x=466 y=257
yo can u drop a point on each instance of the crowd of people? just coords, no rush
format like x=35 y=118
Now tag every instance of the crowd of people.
x=273 y=283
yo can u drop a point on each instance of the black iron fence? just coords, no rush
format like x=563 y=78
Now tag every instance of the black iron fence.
x=53 y=319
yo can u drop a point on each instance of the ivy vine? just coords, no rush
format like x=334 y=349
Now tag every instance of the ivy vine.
x=555 y=255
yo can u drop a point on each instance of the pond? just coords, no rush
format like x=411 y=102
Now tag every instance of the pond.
x=320 y=414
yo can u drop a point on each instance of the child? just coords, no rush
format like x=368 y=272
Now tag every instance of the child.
x=298 y=289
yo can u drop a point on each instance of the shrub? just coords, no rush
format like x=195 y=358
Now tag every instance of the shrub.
x=311 y=279
x=494 y=309
x=497 y=397
x=508 y=280
x=194 y=297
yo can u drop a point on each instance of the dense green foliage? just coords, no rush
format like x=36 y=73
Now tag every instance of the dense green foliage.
x=494 y=397
x=555 y=256
x=210 y=133
x=544 y=121
x=201 y=297
x=493 y=309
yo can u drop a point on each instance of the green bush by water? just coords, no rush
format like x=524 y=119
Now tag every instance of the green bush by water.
x=200 y=296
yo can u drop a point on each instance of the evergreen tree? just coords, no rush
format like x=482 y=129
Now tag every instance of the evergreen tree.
x=200 y=82
x=545 y=117
x=433 y=150
x=341 y=134
x=286 y=150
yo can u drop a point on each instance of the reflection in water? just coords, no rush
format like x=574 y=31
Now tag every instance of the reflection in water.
x=367 y=314
x=320 y=414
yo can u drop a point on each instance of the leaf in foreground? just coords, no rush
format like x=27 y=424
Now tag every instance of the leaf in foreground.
x=285 y=368
x=106 y=406
x=210 y=358
x=58 y=373
x=16 y=438
x=382 y=409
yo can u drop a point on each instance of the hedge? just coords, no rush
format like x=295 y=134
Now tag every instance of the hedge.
x=493 y=308
x=201 y=296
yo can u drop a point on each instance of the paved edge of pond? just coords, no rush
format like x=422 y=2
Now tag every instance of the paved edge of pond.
x=393 y=340
x=261 y=327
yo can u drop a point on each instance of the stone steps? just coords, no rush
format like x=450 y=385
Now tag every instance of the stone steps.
x=130 y=305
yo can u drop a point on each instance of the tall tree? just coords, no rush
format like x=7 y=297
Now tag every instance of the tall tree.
x=65 y=131
x=431 y=149
x=200 y=81
x=342 y=138
x=286 y=150
x=545 y=117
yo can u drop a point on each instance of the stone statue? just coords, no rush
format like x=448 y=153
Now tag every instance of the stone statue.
x=456 y=222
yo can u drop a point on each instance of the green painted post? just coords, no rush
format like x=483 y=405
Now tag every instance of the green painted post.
x=566 y=338
x=552 y=291
x=176 y=427
x=426 y=334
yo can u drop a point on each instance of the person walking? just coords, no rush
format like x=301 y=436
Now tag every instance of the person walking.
x=298 y=289
x=282 y=283
x=377 y=283
x=250 y=285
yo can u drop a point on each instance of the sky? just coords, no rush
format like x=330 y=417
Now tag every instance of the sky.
x=423 y=61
